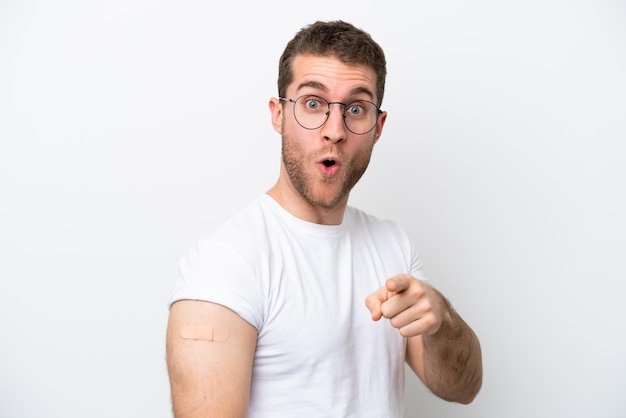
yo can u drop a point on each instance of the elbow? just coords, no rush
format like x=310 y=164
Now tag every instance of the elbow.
x=464 y=391
x=470 y=390
x=465 y=398
x=468 y=398
x=473 y=378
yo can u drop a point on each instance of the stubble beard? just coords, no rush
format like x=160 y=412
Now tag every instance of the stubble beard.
x=339 y=186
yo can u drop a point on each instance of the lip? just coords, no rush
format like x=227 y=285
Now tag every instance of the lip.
x=328 y=171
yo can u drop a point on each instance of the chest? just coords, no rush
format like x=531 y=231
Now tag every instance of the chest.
x=315 y=313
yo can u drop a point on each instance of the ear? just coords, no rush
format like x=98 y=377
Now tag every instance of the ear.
x=379 y=126
x=276 y=110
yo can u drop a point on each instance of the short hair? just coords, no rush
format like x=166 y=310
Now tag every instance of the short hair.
x=337 y=39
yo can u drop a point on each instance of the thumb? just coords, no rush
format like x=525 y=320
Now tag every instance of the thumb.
x=375 y=301
x=398 y=284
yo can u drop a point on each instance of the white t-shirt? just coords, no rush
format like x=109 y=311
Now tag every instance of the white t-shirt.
x=303 y=287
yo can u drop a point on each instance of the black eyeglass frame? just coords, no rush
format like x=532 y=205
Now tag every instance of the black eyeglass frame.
x=345 y=106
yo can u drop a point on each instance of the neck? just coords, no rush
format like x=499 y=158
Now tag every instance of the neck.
x=293 y=202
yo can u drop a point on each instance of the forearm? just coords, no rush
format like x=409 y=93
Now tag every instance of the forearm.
x=451 y=359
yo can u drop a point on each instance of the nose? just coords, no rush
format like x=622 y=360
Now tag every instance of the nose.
x=334 y=129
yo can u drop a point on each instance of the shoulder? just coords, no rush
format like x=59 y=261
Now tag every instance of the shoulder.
x=242 y=229
x=360 y=220
x=223 y=266
x=233 y=245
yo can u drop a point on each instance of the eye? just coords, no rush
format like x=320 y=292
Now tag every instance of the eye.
x=312 y=103
x=355 y=109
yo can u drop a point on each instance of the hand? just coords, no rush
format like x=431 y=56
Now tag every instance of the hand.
x=412 y=306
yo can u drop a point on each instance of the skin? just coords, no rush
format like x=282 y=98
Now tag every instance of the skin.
x=207 y=378
x=442 y=349
x=213 y=378
x=304 y=188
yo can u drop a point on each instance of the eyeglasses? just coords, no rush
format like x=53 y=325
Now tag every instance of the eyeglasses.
x=311 y=112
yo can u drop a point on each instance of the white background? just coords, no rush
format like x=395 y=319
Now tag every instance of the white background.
x=129 y=127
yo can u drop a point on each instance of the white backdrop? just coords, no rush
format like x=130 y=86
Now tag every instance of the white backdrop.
x=128 y=127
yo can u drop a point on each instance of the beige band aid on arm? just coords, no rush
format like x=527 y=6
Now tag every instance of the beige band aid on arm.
x=205 y=333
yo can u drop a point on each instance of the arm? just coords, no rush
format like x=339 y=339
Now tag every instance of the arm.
x=209 y=375
x=449 y=362
x=441 y=348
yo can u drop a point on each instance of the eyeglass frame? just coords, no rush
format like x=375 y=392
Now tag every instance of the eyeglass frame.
x=345 y=106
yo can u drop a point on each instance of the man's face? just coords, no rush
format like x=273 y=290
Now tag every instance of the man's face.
x=324 y=164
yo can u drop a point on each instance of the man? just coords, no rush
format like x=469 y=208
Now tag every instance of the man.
x=268 y=316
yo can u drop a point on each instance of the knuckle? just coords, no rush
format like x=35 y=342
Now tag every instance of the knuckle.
x=429 y=321
x=405 y=332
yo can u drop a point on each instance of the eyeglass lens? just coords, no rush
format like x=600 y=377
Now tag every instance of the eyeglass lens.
x=311 y=112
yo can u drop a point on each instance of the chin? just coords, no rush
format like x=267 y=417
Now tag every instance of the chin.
x=328 y=200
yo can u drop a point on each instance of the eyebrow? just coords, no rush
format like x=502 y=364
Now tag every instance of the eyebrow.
x=314 y=84
x=319 y=86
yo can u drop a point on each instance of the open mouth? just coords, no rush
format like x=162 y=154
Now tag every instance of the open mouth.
x=329 y=165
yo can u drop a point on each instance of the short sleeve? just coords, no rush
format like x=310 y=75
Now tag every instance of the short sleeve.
x=213 y=272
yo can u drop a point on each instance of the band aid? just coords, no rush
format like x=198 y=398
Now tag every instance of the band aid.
x=205 y=333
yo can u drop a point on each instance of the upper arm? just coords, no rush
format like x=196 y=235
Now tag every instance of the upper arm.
x=209 y=378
